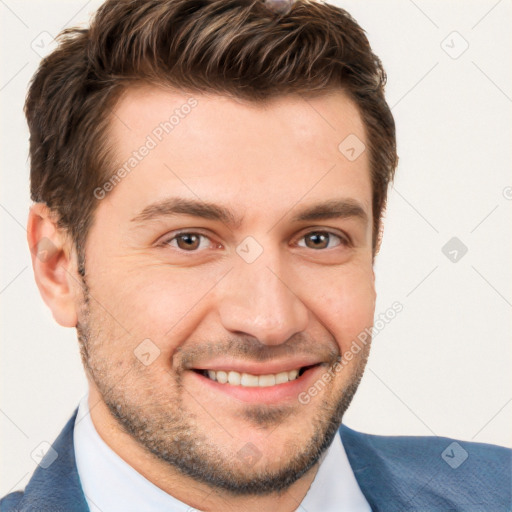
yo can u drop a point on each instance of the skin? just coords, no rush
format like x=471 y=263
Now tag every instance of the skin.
x=302 y=301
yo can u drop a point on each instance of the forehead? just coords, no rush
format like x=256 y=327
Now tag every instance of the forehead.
x=166 y=115
x=268 y=155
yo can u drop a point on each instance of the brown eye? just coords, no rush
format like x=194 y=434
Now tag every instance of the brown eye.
x=189 y=242
x=321 y=240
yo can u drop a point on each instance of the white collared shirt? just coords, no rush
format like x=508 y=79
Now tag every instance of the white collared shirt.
x=112 y=485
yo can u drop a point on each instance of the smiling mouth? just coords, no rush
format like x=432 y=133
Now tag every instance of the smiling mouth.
x=232 y=378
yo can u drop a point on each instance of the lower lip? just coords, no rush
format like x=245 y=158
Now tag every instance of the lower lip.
x=279 y=393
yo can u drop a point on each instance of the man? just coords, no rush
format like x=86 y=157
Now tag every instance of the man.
x=209 y=179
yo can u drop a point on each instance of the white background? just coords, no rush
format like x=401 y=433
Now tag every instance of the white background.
x=442 y=366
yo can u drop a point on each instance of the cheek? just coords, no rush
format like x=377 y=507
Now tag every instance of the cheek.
x=159 y=303
x=347 y=306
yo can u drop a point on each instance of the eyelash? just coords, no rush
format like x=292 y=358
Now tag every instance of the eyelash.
x=343 y=240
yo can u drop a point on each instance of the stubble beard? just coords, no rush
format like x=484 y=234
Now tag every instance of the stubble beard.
x=171 y=433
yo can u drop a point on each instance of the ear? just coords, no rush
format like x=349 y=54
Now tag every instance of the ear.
x=54 y=264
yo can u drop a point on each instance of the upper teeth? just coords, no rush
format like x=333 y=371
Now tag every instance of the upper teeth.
x=249 y=380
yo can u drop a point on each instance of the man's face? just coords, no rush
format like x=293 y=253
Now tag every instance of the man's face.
x=269 y=293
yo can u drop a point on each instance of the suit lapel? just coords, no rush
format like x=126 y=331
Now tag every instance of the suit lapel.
x=56 y=487
x=372 y=473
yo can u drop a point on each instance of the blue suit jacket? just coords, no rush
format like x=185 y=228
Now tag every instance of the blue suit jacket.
x=427 y=474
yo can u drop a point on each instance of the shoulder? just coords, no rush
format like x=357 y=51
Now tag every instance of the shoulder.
x=438 y=472
x=428 y=448
x=55 y=485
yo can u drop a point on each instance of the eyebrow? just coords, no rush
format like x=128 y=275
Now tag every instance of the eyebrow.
x=196 y=208
x=330 y=209
x=333 y=209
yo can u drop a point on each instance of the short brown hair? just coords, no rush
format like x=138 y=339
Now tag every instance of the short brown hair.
x=238 y=48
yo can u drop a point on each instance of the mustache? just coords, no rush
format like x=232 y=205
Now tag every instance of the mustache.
x=249 y=348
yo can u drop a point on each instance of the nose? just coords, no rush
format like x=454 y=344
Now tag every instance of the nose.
x=258 y=299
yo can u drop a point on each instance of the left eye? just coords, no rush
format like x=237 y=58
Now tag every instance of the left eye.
x=321 y=240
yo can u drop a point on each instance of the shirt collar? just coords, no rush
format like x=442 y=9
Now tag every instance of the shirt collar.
x=334 y=488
